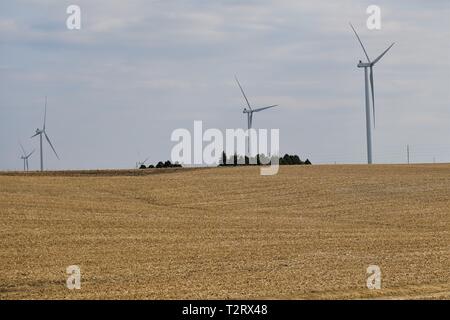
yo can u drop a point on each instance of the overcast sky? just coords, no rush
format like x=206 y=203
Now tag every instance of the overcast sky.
x=137 y=70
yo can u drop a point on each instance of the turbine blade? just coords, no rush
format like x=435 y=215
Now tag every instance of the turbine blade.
x=30 y=154
x=21 y=146
x=45 y=112
x=360 y=42
x=373 y=95
x=243 y=93
x=381 y=55
x=264 y=108
x=34 y=135
x=48 y=140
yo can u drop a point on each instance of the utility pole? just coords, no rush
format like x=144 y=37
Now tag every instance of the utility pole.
x=407 y=152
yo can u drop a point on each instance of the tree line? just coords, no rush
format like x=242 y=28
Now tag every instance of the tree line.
x=160 y=164
x=261 y=159
x=238 y=160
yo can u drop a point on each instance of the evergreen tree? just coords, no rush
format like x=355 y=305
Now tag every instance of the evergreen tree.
x=296 y=160
x=287 y=160
x=167 y=164
x=224 y=159
x=160 y=165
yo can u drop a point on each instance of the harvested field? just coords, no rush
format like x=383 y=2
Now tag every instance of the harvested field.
x=309 y=232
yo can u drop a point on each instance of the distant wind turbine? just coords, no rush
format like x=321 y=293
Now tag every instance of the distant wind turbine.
x=369 y=65
x=249 y=113
x=141 y=163
x=40 y=132
x=25 y=157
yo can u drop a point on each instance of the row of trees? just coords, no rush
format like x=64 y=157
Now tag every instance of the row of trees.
x=261 y=159
x=161 y=164
x=237 y=160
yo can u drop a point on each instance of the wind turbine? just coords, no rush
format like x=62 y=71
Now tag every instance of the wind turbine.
x=25 y=157
x=40 y=132
x=141 y=163
x=369 y=65
x=249 y=113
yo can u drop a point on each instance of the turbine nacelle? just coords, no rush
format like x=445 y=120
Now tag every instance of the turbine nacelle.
x=364 y=64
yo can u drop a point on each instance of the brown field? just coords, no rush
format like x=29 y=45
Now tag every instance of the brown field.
x=306 y=233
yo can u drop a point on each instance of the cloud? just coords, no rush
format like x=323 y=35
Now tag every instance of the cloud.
x=139 y=69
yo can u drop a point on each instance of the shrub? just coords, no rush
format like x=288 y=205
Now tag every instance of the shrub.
x=287 y=160
x=160 y=165
x=296 y=159
x=177 y=165
x=167 y=164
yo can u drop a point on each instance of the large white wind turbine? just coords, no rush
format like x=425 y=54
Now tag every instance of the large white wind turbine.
x=249 y=112
x=25 y=157
x=40 y=132
x=369 y=65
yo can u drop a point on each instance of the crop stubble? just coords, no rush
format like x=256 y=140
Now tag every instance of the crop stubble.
x=308 y=232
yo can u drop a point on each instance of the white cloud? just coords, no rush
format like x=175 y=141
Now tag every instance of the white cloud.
x=171 y=62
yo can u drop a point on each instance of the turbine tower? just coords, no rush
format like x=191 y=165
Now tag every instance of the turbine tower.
x=249 y=113
x=25 y=157
x=369 y=73
x=40 y=132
